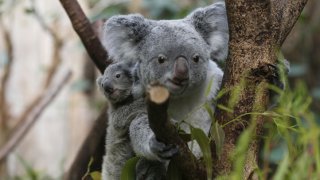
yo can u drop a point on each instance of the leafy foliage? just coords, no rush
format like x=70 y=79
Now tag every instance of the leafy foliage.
x=129 y=169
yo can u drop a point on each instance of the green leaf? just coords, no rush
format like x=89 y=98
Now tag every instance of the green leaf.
x=282 y=169
x=129 y=170
x=88 y=169
x=29 y=10
x=222 y=107
x=209 y=109
x=218 y=136
x=204 y=144
x=31 y=173
x=96 y=175
x=208 y=89
x=240 y=154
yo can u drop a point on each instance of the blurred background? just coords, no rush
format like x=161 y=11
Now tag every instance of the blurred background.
x=38 y=48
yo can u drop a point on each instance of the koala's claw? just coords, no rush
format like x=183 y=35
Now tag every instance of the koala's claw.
x=272 y=73
x=162 y=150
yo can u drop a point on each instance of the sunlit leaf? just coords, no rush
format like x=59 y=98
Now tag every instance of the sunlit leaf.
x=129 y=170
x=282 y=169
x=218 y=136
x=96 y=175
x=240 y=153
x=204 y=144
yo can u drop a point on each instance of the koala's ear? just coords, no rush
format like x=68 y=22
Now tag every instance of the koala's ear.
x=211 y=22
x=122 y=33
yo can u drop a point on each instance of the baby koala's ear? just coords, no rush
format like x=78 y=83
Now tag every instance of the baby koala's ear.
x=123 y=33
x=212 y=24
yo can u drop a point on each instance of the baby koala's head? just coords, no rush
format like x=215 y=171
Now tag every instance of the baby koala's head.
x=117 y=81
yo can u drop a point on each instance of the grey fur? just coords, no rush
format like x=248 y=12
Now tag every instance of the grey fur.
x=203 y=34
x=123 y=108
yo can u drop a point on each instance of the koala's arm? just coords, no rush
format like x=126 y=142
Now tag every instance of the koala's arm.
x=140 y=136
x=144 y=142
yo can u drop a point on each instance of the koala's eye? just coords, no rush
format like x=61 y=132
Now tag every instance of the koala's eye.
x=161 y=58
x=196 y=58
x=118 y=75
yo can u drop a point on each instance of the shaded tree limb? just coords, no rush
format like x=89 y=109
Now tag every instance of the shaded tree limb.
x=4 y=110
x=165 y=131
x=18 y=133
x=291 y=13
x=84 y=30
x=91 y=40
x=92 y=147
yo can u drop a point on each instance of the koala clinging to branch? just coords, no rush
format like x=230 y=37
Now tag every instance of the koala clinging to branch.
x=125 y=103
x=177 y=54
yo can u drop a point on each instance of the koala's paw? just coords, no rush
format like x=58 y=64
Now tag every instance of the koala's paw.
x=162 y=150
x=273 y=73
x=150 y=170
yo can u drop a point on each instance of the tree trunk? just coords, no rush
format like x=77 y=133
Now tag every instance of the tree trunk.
x=257 y=30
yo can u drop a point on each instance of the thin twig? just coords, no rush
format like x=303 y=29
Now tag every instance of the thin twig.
x=18 y=133
x=42 y=22
x=4 y=113
x=57 y=45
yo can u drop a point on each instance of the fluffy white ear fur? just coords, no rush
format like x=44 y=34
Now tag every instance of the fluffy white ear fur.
x=122 y=33
x=211 y=22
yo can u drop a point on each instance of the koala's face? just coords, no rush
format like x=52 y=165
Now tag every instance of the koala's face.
x=173 y=52
x=116 y=82
x=174 y=56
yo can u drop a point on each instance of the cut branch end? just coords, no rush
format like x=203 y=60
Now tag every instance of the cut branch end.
x=159 y=94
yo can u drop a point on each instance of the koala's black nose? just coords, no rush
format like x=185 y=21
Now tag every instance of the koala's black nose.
x=181 y=70
x=107 y=87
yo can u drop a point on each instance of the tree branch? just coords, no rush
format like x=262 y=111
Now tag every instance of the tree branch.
x=4 y=110
x=57 y=45
x=18 y=133
x=157 y=105
x=291 y=14
x=285 y=14
x=52 y=70
x=84 y=30
x=92 y=147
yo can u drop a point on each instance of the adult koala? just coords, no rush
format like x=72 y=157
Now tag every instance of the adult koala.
x=177 y=54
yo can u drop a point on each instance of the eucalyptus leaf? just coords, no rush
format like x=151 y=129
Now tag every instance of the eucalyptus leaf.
x=129 y=170
x=218 y=136
x=204 y=144
x=282 y=169
x=96 y=175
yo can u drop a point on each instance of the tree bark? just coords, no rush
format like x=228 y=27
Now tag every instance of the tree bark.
x=86 y=33
x=257 y=29
x=92 y=147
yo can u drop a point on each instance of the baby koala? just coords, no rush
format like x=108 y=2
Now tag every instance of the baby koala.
x=124 y=95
